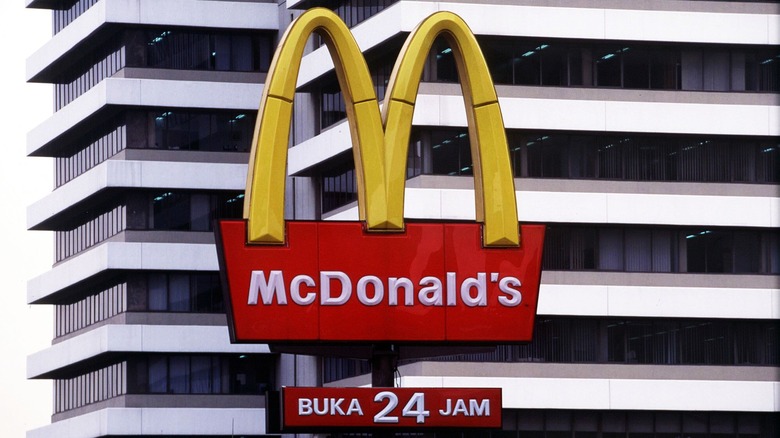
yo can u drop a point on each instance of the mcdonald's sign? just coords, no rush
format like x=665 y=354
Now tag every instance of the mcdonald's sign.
x=382 y=279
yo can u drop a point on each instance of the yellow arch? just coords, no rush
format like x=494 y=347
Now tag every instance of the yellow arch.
x=268 y=157
x=380 y=142
x=494 y=187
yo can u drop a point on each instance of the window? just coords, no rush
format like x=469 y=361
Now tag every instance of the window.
x=451 y=153
x=194 y=131
x=100 y=145
x=185 y=211
x=99 y=64
x=645 y=158
x=176 y=211
x=354 y=12
x=201 y=374
x=183 y=292
x=91 y=387
x=93 y=227
x=332 y=109
x=627 y=157
x=69 y=11
x=647 y=341
x=571 y=63
x=635 y=249
x=186 y=49
x=171 y=211
x=90 y=310
x=339 y=186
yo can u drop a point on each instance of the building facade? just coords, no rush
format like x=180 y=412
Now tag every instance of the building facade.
x=646 y=136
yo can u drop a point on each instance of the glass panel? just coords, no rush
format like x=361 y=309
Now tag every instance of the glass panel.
x=663 y=255
x=201 y=374
x=179 y=374
x=610 y=250
x=636 y=65
x=158 y=374
x=170 y=211
x=200 y=212
x=608 y=66
x=179 y=293
x=451 y=153
x=638 y=249
x=158 y=292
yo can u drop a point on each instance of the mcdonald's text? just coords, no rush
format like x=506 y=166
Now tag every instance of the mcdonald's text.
x=332 y=283
x=336 y=289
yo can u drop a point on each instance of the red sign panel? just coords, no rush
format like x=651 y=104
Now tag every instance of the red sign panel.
x=333 y=282
x=364 y=408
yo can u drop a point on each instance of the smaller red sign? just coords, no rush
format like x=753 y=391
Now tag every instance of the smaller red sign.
x=309 y=408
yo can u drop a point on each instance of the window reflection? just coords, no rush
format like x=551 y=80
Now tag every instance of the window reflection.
x=635 y=249
x=167 y=374
x=646 y=341
x=201 y=374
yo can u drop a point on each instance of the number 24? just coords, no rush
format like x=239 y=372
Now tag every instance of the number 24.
x=415 y=407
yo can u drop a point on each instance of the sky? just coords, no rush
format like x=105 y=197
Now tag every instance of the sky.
x=24 y=329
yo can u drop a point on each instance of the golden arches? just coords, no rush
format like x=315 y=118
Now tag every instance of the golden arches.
x=494 y=187
x=380 y=143
x=268 y=158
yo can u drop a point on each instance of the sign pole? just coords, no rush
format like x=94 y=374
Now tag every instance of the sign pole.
x=383 y=360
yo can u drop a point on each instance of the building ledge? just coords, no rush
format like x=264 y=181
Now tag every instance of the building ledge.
x=636 y=208
x=45 y=63
x=57 y=360
x=117 y=174
x=110 y=256
x=157 y=421
x=603 y=386
x=65 y=125
x=663 y=22
x=193 y=401
x=590 y=110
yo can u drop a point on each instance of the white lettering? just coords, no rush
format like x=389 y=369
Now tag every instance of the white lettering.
x=274 y=287
x=323 y=409
x=460 y=408
x=346 y=288
x=481 y=409
x=451 y=288
x=335 y=289
x=335 y=406
x=474 y=283
x=354 y=407
x=507 y=285
x=392 y=291
x=430 y=295
x=295 y=290
x=379 y=290
x=304 y=406
x=448 y=411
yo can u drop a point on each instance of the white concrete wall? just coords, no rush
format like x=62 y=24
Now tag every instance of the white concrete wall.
x=597 y=208
x=570 y=115
x=144 y=92
x=618 y=394
x=137 y=174
x=157 y=421
x=136 y=339
x=658 y=301
x=197 y=13
x=123 y=255
x=564 y=22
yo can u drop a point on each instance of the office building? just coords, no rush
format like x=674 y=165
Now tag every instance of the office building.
x=646 y=135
